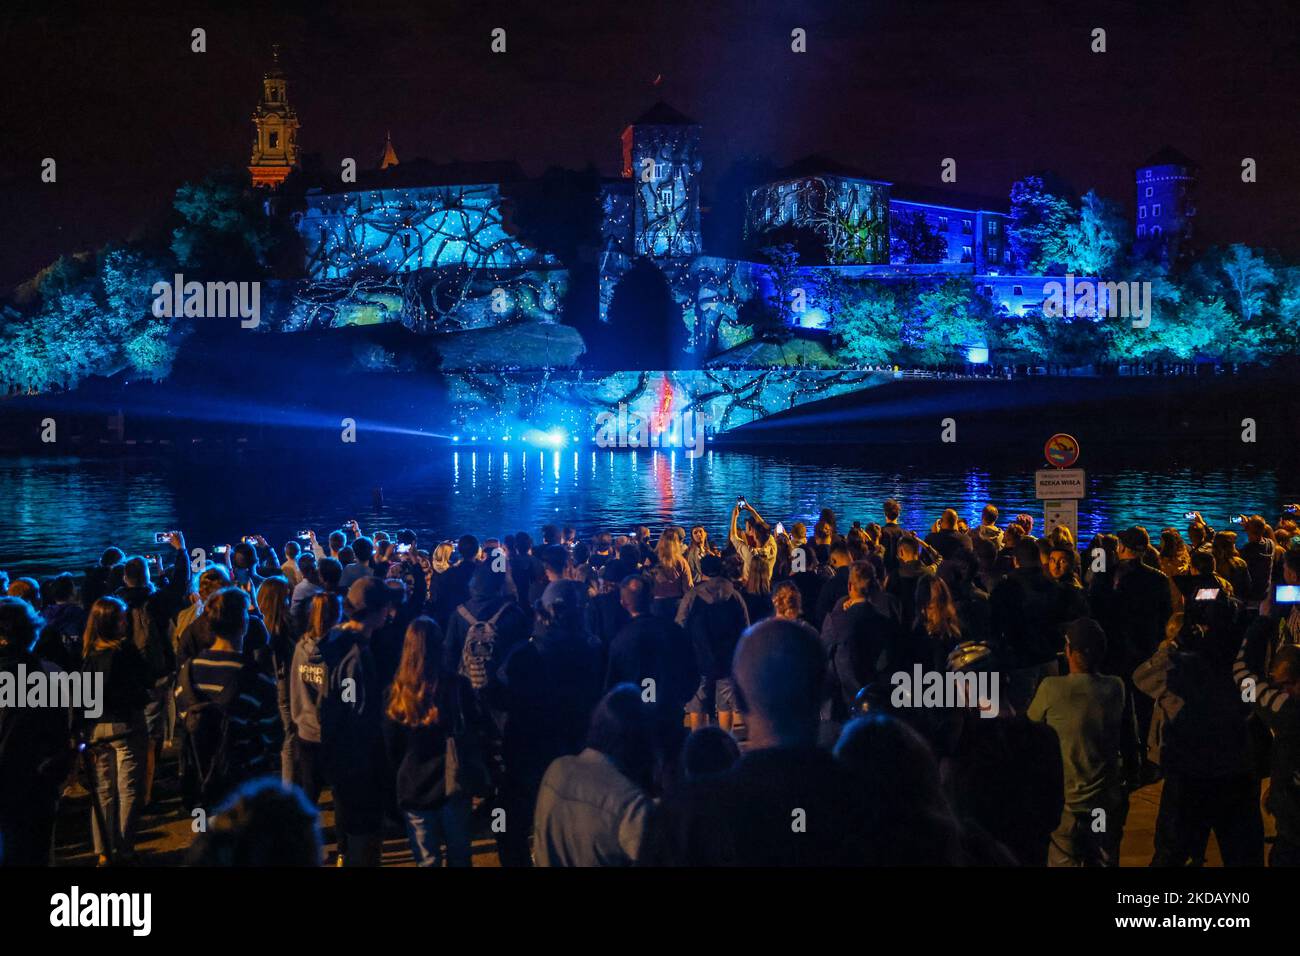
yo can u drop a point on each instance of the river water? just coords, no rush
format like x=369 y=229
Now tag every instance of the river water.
x=60 y=513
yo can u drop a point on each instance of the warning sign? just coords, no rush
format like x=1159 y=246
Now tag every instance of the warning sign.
x=1059 y=483
x=1058 y=513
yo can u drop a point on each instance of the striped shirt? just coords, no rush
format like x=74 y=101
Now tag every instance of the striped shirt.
x=254 y=715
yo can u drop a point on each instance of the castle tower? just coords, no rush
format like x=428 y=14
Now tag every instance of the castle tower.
x=1166 y=194
x=661 y=158
x=275 y=150
x=390 y=155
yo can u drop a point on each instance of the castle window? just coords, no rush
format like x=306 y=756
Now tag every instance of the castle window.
x=1149 y=192
x=1142 y=229
x=1017 y=290
x=993 y=227
x=1155 y=209
x=966 y=227
x=965 y=254
x=1148 y=174
x=943 y=223
x=1156 y=231
x=274 y=139
x=666 y=199
x=1142 y=212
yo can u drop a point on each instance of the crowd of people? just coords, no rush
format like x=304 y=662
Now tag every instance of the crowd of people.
x=677 y=700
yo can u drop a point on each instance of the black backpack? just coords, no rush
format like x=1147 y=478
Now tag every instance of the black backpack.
x=207 y=774
x=151 y=642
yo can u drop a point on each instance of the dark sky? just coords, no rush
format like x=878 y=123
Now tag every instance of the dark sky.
x=113 y=92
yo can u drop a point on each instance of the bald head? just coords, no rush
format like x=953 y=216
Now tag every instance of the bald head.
x=779 y=670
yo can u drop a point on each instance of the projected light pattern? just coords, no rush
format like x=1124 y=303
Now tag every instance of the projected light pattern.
x=402 y=230
x=497 y=403
x=851 y=216
x=430 y=300
x=663 y=163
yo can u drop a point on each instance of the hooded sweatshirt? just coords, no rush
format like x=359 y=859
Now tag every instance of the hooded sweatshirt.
x=306 y=685
x=351 y=717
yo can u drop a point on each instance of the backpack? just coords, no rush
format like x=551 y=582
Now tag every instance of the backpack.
x=480 y=642
x=150 y=642
x=207 y=731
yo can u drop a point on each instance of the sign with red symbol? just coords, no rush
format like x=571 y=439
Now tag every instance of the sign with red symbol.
x=1062 y=450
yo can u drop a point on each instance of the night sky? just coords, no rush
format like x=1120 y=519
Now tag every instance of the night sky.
x=116 y=96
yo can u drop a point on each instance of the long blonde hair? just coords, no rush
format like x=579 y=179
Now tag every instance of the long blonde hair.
x=441 y=557
x=413 y=696
x=669 y=548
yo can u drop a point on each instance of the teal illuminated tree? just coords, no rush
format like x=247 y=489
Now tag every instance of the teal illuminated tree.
x=870 y=322
x=1093 y=243
x=946 y=320
x=1041 y=218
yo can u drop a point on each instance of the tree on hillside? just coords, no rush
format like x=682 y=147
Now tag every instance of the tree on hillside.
x=1041 y=218
x=223 y=232
x=912 y=240
x=947 y=319
x=1248 y=278
x=869 y=320
x=1094 y=241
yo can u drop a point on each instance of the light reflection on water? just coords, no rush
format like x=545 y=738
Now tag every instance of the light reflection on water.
x=59 y=513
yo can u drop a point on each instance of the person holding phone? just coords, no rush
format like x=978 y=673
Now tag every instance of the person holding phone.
x=1277 y=702
x=756 y=543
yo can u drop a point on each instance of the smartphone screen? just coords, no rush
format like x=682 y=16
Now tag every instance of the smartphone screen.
x=1287 y=594
x=160 y=537
x=403 y=548
x=1207 y=594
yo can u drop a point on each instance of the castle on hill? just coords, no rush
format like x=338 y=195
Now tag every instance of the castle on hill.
x=434 y=245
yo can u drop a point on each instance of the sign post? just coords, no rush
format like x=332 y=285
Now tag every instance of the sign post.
x=1065 y=513
x=1061 y=486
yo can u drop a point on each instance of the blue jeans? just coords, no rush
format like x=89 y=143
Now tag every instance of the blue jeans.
x=429 y=829
x=119 y=783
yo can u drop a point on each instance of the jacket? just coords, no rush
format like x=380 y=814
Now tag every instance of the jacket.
x=714 y=615
x=351 y=708
x=306 y=688
x=1199 y=726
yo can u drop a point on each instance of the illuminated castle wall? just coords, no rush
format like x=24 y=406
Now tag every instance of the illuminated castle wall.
x=661 y=162
x=424 y=245
x=851 y=216
x=492 y=405
x=405 y=229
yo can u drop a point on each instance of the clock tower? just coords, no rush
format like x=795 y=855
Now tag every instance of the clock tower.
x=275 y=149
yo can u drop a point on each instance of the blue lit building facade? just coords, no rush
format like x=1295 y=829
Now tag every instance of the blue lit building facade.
x=1165 y=205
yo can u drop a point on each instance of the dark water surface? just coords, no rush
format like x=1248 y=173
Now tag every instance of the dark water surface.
x=61 y=513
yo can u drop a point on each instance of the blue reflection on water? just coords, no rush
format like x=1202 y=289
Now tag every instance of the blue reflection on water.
x=59 y=513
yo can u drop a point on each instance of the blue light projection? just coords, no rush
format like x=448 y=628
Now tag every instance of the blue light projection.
x=405 y=229
x=850 y=215
x=543 y=405
x=663 y=163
